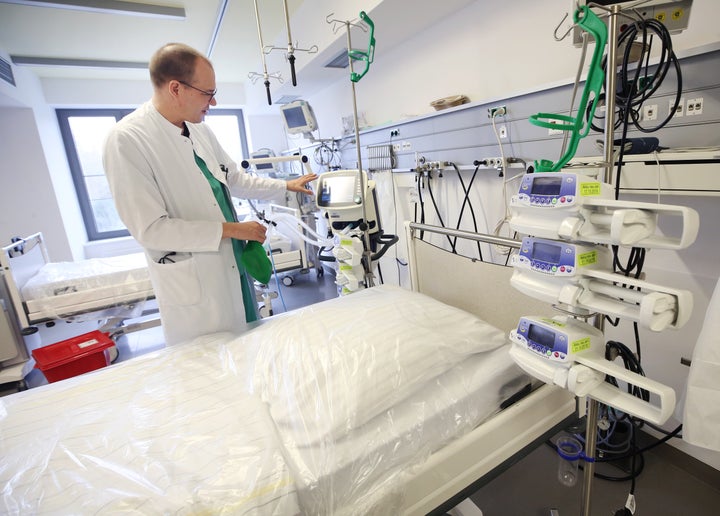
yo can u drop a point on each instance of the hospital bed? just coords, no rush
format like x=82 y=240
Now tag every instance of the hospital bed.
x=385 y=401
x=36 y=290
x=97 y=288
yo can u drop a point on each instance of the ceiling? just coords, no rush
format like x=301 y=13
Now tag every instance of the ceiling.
x=108 y=39
x=114 y=39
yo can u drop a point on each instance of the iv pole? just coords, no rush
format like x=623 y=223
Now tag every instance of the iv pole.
x=291 y=49
x=355 y=77
x=610 y=87
x=254 y=76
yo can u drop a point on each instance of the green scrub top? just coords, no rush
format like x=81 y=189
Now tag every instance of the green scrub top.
x=223 y=199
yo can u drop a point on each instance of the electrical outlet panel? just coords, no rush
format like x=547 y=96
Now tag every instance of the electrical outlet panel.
x=497 y=111
x=680 y=111
x=650 y=112
x=554 y=131
x=694 y=106
x=502 y=130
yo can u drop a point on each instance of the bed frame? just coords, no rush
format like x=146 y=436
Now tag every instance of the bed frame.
x=450 y=475
x=19 y=262
x=23 y=259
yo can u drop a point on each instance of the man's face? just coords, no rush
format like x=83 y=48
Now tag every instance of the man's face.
x=199 y=93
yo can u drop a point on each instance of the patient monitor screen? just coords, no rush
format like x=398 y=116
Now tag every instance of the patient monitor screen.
x=295 y=117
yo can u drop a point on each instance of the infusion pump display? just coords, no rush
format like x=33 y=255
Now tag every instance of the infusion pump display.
x=556 y=340
x=556 y=189
x=559 y=259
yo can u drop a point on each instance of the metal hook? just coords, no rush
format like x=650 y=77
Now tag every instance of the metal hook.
x=555 y=32
x=347 y=23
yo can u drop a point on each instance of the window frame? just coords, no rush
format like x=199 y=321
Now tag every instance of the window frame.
x=78 y=179
x=88 y=215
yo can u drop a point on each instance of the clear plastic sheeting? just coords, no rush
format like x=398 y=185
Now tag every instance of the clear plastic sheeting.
x=61 y=290
x=324 y=410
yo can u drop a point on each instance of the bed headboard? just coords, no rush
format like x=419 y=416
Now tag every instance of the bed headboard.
x=478 y=287
x=19 y=261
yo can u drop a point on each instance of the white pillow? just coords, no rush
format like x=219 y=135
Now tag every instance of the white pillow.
x=330 y=367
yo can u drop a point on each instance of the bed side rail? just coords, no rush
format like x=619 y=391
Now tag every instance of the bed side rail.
x=479 y=287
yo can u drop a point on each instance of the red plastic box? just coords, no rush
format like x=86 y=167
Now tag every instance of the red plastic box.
x=75 y=356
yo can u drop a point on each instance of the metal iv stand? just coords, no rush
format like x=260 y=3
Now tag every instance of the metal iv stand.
x=367 y=57
x=610 y=87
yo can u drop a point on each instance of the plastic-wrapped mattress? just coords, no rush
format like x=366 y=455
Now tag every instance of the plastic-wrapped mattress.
x=60 y=289
x=323 y=410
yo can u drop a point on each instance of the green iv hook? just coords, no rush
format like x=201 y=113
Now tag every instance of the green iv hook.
x=359 y=55
x=589 y=22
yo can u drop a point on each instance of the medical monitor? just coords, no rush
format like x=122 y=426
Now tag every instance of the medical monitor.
x=262 y=154
x=299 y=117
x=340 y=195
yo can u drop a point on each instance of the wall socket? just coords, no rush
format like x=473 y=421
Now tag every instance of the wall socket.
x=497 y=111
x=694 y=106
x=502 y=130
x=554 y=131
x=650 y=112
x=680 y=111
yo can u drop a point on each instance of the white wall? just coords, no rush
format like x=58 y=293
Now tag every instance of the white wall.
x=479 y=52
x=30 y=146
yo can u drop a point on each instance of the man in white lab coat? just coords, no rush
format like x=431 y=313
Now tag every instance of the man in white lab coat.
x=170 y=180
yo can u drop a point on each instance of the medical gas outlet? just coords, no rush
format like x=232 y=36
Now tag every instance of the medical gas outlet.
x=574 y=207
x=569 y=353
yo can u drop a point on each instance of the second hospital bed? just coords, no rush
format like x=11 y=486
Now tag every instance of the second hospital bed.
x=386 y=401
x=42 y=290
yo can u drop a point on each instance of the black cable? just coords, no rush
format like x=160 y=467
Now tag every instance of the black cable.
x=422 y=205
x=631 y=94
x=466 y=201
x=439 y=216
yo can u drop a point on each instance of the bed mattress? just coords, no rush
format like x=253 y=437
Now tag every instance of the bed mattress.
x=60 y=289
x=312 y=412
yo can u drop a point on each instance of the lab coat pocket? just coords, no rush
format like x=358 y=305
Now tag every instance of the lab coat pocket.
x=176 y=283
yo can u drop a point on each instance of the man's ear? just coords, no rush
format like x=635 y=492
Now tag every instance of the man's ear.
x=173 y=87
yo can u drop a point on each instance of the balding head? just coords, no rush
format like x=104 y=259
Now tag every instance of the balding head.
x=174 y=61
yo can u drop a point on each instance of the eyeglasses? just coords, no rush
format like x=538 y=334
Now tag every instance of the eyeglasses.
x=210 y=94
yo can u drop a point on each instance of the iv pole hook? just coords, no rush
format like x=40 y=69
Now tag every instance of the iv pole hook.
x=265 y=74
x=555 y=33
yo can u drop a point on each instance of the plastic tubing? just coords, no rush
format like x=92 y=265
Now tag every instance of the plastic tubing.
x=318 y=241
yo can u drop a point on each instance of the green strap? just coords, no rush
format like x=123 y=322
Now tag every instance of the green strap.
x=223 y=199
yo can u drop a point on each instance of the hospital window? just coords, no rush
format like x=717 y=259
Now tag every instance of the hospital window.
x=84 y=131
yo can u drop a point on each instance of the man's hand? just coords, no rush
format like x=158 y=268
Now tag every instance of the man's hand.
x=252 y=230
x=299 y=184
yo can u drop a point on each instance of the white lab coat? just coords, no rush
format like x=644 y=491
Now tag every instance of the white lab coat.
x=168 y=206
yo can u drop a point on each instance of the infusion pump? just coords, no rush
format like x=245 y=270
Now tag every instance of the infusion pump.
x=575 y=207
x=560 y=259
x=569 y=353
